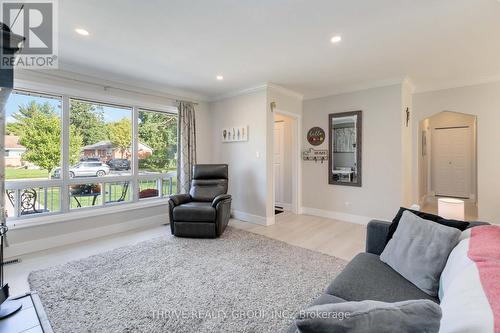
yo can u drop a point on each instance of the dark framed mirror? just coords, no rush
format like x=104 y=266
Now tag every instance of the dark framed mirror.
x=344 y=162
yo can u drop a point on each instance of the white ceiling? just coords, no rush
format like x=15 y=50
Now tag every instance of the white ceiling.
x=186 y=43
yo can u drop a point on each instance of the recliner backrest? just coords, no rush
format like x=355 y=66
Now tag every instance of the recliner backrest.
x=209 y=181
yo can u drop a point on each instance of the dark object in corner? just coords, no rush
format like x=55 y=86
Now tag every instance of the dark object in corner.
x=10 y=45
x=460 y=225
x=206 y=210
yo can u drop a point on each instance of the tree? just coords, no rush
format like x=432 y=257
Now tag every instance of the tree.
x=75 y=144
x=159 y=131
x=40 y=132
x=120 y=134
x=25 y=112
x=89 y=121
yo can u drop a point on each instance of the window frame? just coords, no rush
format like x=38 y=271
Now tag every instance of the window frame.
x=64 y=182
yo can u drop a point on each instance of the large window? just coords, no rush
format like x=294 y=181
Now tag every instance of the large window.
x=83 y=154
x=100 y=139
x=32 y=136
x=157 y=151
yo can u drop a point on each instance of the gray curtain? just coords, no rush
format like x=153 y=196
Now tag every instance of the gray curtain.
x=186 y=146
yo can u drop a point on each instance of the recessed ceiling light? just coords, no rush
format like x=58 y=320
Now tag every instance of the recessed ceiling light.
x=336 y=39
x=219 y=77
x=82 y=32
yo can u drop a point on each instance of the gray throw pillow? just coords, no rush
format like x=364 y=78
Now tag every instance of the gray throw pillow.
x=419 y=249
x=415 y=316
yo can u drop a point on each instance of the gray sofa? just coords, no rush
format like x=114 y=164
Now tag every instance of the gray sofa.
x=367 y=278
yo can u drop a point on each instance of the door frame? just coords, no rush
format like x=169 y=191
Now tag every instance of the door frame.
x=470 y=168
x=282 y=162
x=296 y=160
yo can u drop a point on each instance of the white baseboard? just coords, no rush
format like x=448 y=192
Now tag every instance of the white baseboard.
x=247 y=217
x=358 y=219
x=18 y=249
x=286 y=206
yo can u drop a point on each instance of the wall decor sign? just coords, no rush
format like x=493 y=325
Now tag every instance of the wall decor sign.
x=234 y=134
x=316 y=136
x=315 y=155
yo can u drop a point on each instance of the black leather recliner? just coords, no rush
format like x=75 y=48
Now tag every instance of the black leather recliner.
x=205 y=211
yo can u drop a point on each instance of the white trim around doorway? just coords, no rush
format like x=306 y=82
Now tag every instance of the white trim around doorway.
x=296 y=161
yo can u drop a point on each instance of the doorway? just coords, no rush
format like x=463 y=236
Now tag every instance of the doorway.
x=448 y=160
x=286 y=154
x=280 y=158
x=452 y=162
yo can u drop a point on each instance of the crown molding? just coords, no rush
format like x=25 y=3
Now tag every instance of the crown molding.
x=246 y=91
x=456 y=84
x=356 y=88
x=258 y=88
x=285 y=91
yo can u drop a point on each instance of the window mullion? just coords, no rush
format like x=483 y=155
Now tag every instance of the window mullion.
x=64 y=197
x=135 y=149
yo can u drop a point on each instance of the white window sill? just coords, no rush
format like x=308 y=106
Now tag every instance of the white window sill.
x=84 y=213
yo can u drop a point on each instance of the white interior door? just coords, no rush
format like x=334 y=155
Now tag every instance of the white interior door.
x=452 y=161
x=279 y=147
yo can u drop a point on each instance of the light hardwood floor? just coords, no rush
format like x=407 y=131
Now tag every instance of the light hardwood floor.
x=337 y=238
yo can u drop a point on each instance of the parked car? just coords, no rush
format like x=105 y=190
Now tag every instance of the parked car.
x=119 y=164
x=90 y=159
x=84 y=169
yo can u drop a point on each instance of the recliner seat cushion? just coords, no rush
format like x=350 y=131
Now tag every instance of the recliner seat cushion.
x=368 y=278
x=195 y=212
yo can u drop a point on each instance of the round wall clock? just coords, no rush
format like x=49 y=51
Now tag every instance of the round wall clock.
x=316 y=136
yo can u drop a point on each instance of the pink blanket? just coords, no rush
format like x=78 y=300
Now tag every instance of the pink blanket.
x=484 y=251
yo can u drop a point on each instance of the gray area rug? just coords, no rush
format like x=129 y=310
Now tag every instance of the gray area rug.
x=241 y=282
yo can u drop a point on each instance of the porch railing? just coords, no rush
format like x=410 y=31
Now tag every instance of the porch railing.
x=29 y=198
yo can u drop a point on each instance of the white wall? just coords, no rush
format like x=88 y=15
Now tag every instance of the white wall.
x=407 y=144
x=381 y=191
x=248 y=180
x=204 y=134
x=285 y=100
x=251 y=177
x=81 y=226
x=484 y=102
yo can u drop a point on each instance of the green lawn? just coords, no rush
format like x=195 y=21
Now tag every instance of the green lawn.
x=14 y=173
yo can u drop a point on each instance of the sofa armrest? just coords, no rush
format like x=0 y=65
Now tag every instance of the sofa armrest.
x=179 y=199
x=220 y=198
x=376 y=234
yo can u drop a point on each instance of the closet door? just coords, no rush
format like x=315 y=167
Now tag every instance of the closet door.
x=452 y=161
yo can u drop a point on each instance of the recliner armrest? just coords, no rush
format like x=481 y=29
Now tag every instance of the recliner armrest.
x=376 y=234
x=220 y=198
x=179 y=199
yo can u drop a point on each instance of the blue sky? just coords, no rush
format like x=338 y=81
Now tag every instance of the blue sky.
x=111 y=114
